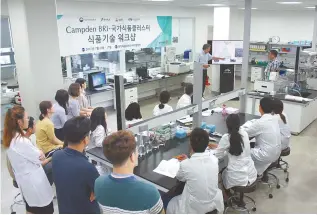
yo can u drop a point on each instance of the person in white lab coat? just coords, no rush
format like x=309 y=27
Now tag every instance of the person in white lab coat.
x=133 y=114
x=163 y=107
x=267 y=137
x=200 y=174
x=240 y=170
x=186 y=99
x=282 y=119
x=26 y=161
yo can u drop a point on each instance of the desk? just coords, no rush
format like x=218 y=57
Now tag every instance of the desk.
x=300 y=114
x=146 y=89
x=144 y=170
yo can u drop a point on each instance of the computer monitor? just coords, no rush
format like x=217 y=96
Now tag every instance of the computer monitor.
x=96 y=79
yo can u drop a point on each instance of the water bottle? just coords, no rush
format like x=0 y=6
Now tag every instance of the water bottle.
x=224 y=110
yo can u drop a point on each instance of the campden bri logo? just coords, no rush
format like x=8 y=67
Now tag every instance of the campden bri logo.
x=81 y=19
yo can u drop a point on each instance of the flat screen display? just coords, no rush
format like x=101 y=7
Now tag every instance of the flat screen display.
x=231 y=50
x=98 y=79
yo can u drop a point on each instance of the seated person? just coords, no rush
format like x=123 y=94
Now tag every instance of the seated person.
x=59 y=116
x=98 y=134
x=98 y=127
x=240 y=170
x=163 y=107
x=121 y=191
x=83 y=101
x=73 y=175
x=201 y=193
x=267 y=137
x=285 y=130
x=73 y=108
x=45 y=136
x=133 y=114
x=186 y=100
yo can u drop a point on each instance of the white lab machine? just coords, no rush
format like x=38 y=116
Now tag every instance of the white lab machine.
x=264 y=86
x=178 y=67
x=257 y=73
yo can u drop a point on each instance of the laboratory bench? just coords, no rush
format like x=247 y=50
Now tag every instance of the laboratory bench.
x=146 y=165
x=135 y=92
x=300 y=114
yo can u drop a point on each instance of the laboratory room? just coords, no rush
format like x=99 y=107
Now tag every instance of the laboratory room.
x=158 y=106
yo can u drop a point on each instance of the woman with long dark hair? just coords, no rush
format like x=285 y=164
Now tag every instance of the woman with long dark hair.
x=240 y=170
x=45 y=135
x=59 y=116
x=26 y=161
x=133 y=114
x=98 y=134
x=98 y=127
x=285 y=130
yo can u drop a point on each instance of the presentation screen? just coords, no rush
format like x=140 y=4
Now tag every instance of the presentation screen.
x=231 y=50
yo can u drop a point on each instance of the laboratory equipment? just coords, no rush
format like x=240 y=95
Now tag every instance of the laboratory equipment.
x=178 y=67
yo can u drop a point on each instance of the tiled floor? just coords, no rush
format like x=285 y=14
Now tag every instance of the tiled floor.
x=297 y=196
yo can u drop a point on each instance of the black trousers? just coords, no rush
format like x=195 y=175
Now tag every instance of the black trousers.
x=205 y=76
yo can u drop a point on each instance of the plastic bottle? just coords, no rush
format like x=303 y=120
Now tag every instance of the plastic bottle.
x=224 y=110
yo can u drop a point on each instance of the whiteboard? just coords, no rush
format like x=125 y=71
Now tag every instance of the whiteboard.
x=231 y=50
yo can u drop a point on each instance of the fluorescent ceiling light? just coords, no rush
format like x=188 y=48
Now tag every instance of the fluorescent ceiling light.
x=213 y=5
x=159 y=0
x=254 y=8
x=310 y=7
x=289 y=2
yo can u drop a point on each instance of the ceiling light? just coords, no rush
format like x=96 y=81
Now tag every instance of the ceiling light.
x=254 y=8
x=213 y=5
x=289 y=2
x=159 y=0
x=310 y=7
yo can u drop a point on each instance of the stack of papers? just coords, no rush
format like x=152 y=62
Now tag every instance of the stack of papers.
x=168 y=168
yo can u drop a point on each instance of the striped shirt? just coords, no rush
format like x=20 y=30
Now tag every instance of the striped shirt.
x=273 y=65
x=127 y=196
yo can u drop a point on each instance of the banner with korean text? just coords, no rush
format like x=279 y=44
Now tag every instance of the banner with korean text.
x=79 y=35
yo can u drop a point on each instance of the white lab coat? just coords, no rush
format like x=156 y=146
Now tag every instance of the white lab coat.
x=129 y=123
x=240 y=170
x=267 y=135
x=29 y=173
x=184 y=101
x=157 y=111
x=285 y=131
x=201 y=193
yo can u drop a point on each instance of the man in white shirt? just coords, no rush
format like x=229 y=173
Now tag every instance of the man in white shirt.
x=200 y=173
x=203 y=58
x=185 y=100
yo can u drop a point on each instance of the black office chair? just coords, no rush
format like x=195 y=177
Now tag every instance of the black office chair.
x=266 y=179
x=236 y=201
x=283 y=165
x=15 y=200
